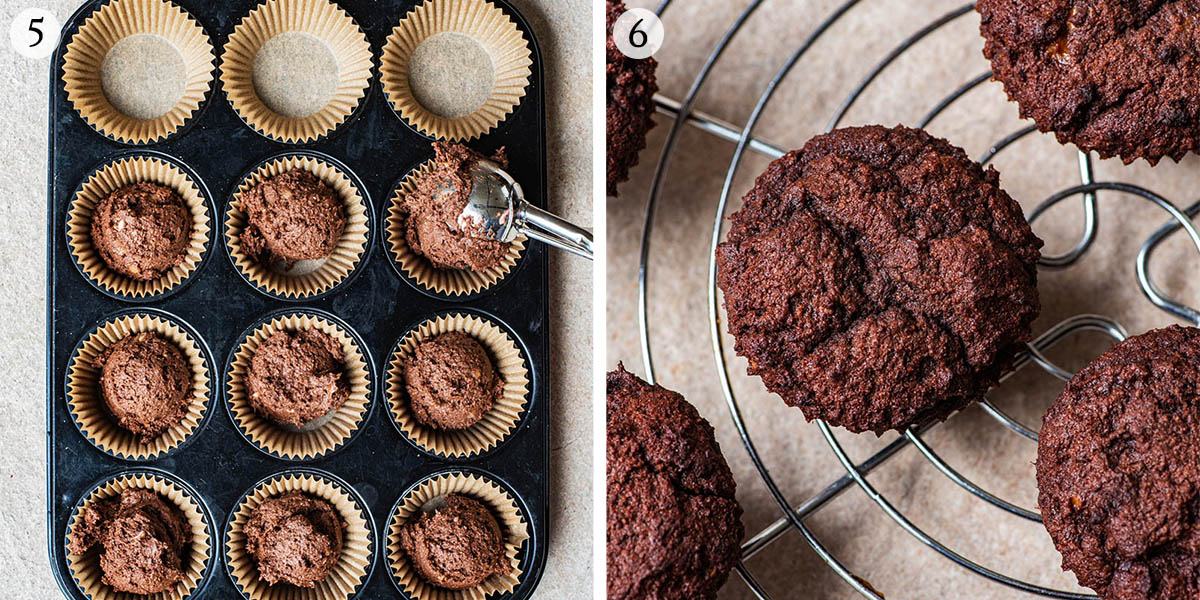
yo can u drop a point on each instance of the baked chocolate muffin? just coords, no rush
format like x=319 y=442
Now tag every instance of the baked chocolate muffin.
x=142 y=231
x=432 y=212
x=450 y=381
x=631 y=88
x=141 y=537
x=674 y=526
x=146 y=384
x=1118 y=469
x=1118 y=78
x=879 y=278
x=292 y=216
x=294 y=538
x=296 y=377
x=457 y=546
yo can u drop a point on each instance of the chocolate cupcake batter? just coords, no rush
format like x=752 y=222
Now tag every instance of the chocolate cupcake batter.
x=451 y=382
x=431 y=213
x=295 y=538
x=296 y=377
x=292 y=216
x=631 y=88
x=142 y=539
x=142 y=231
x=146 y=384
x=457 y=546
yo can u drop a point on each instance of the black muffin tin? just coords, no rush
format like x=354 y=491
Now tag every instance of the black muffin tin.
x=218 y=148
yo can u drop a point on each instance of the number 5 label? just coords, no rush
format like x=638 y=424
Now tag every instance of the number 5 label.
x=34 y=33
x=638 y=33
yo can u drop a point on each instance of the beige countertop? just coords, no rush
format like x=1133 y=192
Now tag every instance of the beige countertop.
x=564 y=32
x=852 y=526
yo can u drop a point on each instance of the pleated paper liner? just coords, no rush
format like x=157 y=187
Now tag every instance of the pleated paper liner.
x=424 y=496
x=446 y=282
x=497 y=424
x=85 y=568
x=322 y=436
x=321 y=19
x=106 y=180
x=116 y=21
x=86 y=403
x=483 y=22
x=306 y=278
x=352 y=569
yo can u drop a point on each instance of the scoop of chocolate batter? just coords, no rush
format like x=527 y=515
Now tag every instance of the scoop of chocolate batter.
x=297 y=376
x=450 y=381
x=141 y=538
x=142 y=230
x=293 y=216
x=146 y=384
x=456 y=547
x=295 y=538
x=432 y=213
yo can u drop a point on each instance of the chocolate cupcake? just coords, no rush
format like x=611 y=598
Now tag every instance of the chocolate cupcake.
x=146 y=384
x=674 y=526
x=451 y=381
x=294 y=538
x=1118 y=469
x=142 y=231
x=297 y=377
x=293 y=216
x=631 y=88
x=457 y=546
x=142 y=539
x=879 y=279
x=1118 y=78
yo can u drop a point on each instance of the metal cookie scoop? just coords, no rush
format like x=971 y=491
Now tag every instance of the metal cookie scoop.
x=497 y=207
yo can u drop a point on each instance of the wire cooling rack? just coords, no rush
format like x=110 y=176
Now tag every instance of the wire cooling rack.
x=794 y=514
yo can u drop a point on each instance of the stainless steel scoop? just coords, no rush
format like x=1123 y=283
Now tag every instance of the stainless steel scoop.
x=497 y=207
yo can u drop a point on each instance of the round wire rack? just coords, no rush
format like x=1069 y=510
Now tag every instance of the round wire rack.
x=794 y=514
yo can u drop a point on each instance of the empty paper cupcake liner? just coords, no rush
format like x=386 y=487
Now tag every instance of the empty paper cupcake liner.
x=419 y=269
x=320 y=437
x=483 y=22
x=423 y=496
x=352 y=570
x=321 y=19
x=497 y=424
x=86 y=403
x=116 y=21
x=306 y=279
x=85 y=568
x=112 y=176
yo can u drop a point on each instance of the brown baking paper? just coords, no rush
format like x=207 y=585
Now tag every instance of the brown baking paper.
x=347 y=575
x=85 y=568
x=487 y=25
x=319 y=437
x=449 y=282
x=319 y=275
x=86 y=403
x=321 y=19
x=513 y=527
x=119 y=20
x=110 y=178
x=498 y=423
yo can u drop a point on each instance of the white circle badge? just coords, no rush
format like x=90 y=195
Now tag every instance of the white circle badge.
x=638 y=33
x=34 y=33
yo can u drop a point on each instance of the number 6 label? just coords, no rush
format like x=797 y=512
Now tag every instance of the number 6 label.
x=34 y=33
x=638 y=33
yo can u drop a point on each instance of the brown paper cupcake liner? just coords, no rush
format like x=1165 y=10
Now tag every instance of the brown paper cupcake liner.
x=86 y=404
x=307 y=278
x=357 y=546
x=321 y=19
x=447 y=282
x=119 y=20
x=487 y=25
x=85 y=568
x=320 y=437
x=499 y=502
x=106 y=180
x=497 y=424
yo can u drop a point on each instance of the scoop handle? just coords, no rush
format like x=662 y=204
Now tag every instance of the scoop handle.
x=551 y=229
